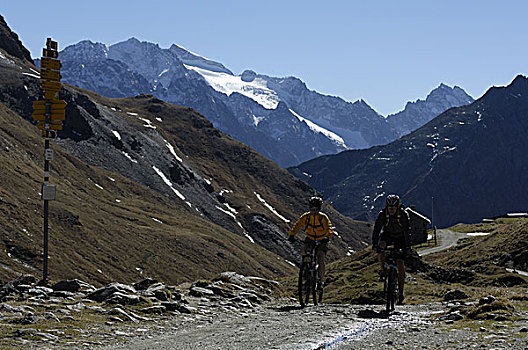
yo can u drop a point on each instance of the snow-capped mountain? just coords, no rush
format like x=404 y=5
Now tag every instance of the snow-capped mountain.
x=279 y=117
x=420 y=112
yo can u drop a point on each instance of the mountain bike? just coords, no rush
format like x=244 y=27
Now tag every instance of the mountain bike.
x=308 y=278
x=390 y=280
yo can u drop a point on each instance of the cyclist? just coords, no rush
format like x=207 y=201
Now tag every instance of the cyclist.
x=394 y=221
x=317 y=227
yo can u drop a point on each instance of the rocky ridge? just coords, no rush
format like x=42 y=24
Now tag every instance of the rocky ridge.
x=467 y=159
x=279 y=117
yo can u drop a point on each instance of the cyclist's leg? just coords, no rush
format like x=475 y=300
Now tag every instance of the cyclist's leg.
x=382 y=244
x=400 y=264
x=321 y=258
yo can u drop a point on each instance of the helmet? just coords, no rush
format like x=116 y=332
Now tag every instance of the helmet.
x=392 y=200
x=316 y=202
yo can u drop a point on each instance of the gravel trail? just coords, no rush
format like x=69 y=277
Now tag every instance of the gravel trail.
x=323 y=327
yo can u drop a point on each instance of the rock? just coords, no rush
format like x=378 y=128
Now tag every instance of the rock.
x=222 y=292
x=123 y=299
x=73 y=286
x=200 y=292
x=24 y=279
x=158 y=309
x=121 y=312
x=170 y=306
x=251 y=297
x=29 y=318
x=487 y=300
x=145 y=284
x=23 y=288
x=524 y=330
x=62 y=294
x=235 y=277
x=51 y=316
x=12 y=309
x=161 y=295
x=186 y=309
x=115 y=319
x=104 y=293
x=47 y=336
x=25 y=332
x=482 y=329
x=455 y=294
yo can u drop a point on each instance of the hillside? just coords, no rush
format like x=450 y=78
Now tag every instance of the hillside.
x=469 y=159
x=476 y=266
x=145 y=188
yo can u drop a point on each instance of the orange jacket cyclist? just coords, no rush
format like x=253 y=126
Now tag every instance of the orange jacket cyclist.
x=317 y=227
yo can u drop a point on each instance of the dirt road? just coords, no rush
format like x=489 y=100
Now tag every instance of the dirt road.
x=446 y=240
x=327 y=326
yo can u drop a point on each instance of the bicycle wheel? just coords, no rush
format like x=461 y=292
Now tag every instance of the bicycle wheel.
x=388 y=292
x=314 y=285
x=304 y=285
x=393 y=288
x=319 y=289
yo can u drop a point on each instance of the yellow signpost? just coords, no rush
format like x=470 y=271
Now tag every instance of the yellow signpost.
x=49 y=115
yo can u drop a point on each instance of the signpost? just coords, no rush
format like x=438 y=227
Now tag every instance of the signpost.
x=49 y=115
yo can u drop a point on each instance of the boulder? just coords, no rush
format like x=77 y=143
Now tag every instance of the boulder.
x=104 y=293
x=158 y=309
x=145 y=284
x=72 y=286
x=487 y=300
x=200 y=292
x=123 y=299
x=170 y=306
x=455 y=294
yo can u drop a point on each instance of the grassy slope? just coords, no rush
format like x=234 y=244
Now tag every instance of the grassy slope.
x=90 y=231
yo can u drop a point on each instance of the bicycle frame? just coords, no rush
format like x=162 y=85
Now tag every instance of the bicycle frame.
x=308 y=277
x=390 y=281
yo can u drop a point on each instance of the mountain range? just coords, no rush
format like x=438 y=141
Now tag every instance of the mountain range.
x=464 y=165
x=145 y=188
x=279 y=117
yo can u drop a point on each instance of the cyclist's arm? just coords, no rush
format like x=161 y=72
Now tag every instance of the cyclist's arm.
x=328 y=227
x=298 y=225
x=377 y=229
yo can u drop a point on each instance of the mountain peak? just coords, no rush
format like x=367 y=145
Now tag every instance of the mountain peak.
x=10 y=43
x=85 y=50
x=191 y=59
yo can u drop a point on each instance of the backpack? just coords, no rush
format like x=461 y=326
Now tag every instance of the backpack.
x=314 y=226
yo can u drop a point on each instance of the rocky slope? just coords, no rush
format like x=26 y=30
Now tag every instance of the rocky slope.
x=469 y=159
x=145 y=188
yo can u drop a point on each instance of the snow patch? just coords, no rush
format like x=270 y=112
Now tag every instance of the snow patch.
x=129 y=157
x=168 y=182
x=116 y=134
x=31 y=75
x=319 y=129
x=257 y=90
x=133 y=114
x=157 y=220
x=270 y=208
x=171 y=149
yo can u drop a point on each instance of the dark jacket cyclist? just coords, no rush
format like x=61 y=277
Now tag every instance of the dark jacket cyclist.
x=392 y=227
x=317 y=227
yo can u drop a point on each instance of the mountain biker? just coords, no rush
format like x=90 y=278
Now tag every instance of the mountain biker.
x=394 y=221
x=317 y=227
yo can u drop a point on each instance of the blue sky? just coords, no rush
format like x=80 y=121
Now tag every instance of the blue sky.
x=384 y=52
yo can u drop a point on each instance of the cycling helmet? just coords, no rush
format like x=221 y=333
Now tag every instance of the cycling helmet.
x=316 y=202
x=392 y=200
